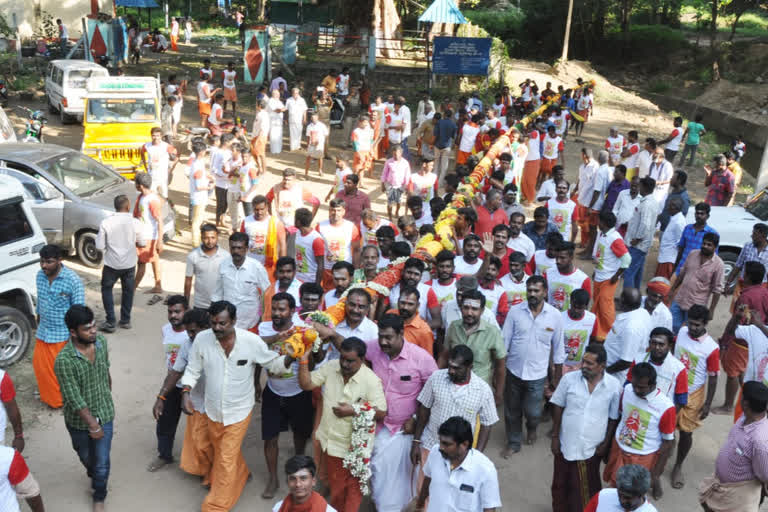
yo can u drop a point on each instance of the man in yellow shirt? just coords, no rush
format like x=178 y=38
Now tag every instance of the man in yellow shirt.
x=344 y=381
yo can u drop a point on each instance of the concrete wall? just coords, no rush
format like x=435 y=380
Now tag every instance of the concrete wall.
x=28 y=18
x=722 y=122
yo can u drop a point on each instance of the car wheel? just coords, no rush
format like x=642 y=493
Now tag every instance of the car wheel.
x=15 y=335
x=729 y=262
x=64 y=117
x=86 y=250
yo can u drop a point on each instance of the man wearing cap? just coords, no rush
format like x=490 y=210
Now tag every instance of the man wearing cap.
x=657 y=292
x=741 y=467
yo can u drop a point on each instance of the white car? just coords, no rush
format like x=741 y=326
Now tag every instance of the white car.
x=734 y=225
x=20 y=242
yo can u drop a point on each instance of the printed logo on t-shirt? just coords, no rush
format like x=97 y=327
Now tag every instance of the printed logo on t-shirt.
x=301 y=259
x=635 y=428
x=691 y=361
x=575 y=339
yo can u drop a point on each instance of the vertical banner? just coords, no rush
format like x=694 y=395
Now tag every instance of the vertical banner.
x=255 y=57
x=99 y=40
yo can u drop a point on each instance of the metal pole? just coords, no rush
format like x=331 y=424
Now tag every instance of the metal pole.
x=86 y=44
x=165 y=8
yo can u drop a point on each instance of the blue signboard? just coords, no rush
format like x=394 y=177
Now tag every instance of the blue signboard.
x=461 y=55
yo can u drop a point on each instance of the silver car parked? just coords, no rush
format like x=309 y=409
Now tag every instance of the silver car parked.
x=71 y=194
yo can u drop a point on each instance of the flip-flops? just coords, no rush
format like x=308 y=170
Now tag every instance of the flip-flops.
x=154 y=300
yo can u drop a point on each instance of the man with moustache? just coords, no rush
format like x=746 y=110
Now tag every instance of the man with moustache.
x=671 y=374
x=167 y=408
x=453 y=391
x=403 y=369
x=82 y=369
x=228 y=357
x=514 y=282
x=415 y=329
x=533 y=334
x=429 y=307
x=643 y=406
x=344 y=381
x=518 y=241
x=585 y=413
x=282 y=402
x=469 y=263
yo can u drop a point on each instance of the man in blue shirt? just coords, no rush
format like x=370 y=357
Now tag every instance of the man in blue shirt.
x=444 y=132
x=693 y=234
x=58 y=288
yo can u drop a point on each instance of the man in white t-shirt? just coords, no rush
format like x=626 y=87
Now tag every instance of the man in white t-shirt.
x=156 y=156
x=282 y=402
x=317 y=132
x=167 y=408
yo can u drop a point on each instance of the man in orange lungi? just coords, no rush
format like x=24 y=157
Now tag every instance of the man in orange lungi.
x=228 y=357
x=611 y=258
x=58 y=288
x=196 y=453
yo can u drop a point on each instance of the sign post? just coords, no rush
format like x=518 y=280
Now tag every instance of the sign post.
x=461 y=56
x=255 y=57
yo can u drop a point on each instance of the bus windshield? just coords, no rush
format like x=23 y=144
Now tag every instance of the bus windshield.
x=120 y=110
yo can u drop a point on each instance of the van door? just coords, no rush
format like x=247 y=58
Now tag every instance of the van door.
x=47 y=202
x=55 y=88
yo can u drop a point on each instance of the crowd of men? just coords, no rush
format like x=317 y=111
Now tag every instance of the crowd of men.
x=508 y=320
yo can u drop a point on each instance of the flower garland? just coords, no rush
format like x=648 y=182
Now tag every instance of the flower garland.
x=358 y=460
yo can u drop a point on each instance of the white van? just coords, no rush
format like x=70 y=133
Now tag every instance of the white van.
x=65 y=81
x=20 y=242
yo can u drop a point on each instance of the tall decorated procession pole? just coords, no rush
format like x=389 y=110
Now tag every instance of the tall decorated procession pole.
x=426 y=249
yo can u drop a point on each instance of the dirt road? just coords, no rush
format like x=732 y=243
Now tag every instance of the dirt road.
x=138 y=368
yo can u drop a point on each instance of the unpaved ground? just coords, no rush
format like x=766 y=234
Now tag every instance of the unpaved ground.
x=138 y=369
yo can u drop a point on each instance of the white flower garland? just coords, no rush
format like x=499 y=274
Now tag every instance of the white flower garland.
x=358 y=460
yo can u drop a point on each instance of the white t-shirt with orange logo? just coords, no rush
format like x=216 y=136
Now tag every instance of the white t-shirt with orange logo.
x=338 y=241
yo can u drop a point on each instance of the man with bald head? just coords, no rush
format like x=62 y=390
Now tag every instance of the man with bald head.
x=629 y=334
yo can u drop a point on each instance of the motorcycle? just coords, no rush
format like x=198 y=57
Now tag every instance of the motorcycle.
x=3 y=89
x=36 y=120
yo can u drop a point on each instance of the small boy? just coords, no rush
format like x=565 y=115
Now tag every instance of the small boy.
x=316 y=135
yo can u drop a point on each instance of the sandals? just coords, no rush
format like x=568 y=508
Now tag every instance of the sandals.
x=154 y=300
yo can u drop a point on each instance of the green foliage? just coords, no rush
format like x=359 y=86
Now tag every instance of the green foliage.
x=655 y=42
x=5 y=28
x=659 y=86
x=506 y=24
x=48 y=28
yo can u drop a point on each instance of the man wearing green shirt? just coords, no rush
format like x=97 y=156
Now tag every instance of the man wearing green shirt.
x=484 y=339
x=693 y=133
x=82 y=368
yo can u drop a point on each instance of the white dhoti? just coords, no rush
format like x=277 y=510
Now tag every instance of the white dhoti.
x=393 y=480
x=276 y=134
x=295 y=128
x=517 y=172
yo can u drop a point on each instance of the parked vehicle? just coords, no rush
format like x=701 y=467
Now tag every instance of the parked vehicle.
x=120 y=113
x=70 y=194
x=7 y=134
x=20 y=242
x=36 y=120
x=734 y=225
x=3 y=89
x=65 y=86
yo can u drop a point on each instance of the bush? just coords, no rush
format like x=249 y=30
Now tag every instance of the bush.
x=643 y=42
x=508 y=24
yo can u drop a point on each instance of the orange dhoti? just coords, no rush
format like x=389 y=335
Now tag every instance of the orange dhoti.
x=47 y=383
x=530 y=175
x=603 y=307
x=197 y=452
x=584 y=221
x=735 y=358
x=317 y=450
x=229 y=471
x=546 y=165
x=345 y=489
x=619 y=458
x=688 y=416
x=203 y=108
x=174 y=43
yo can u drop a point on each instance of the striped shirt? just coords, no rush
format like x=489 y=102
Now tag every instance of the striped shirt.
x=85 y=384
x=54 y=300
x=750 y=253
x=445 y=399
x=744 y=456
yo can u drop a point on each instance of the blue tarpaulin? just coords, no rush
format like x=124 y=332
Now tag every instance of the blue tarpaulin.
x=152 y=4
x=443 y=11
